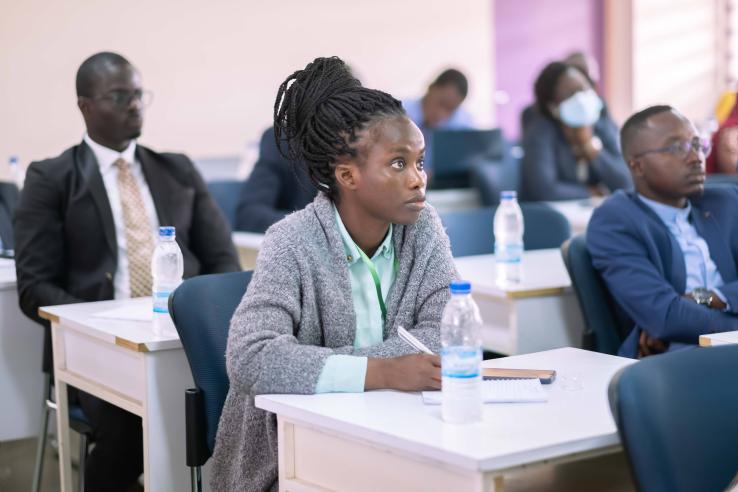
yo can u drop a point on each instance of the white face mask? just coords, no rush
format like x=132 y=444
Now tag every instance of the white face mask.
x=581 y=109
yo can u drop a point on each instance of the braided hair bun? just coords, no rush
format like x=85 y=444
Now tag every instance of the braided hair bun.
x=318 y=112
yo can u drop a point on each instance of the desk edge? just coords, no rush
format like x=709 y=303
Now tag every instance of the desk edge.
x=136 y=347
x=47 y=315
x=522 y=294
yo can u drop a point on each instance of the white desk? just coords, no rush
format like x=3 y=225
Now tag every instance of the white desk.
x=386 y=440
x=540 y=313
x=248 y=245
x=21 y=351
x=577 y=212
x=124 y=363
x=724 y=338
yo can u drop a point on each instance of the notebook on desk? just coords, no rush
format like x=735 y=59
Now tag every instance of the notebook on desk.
x=501 y=391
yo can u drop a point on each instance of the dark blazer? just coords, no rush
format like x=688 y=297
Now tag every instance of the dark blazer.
x=8 y=201
x=643 y=265
x=549 y=168
x=275 y=188
x=66 y=249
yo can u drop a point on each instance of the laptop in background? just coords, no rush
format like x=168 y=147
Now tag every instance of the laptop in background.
x=455 y=151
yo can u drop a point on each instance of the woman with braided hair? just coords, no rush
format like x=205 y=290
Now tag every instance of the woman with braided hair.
x=334 y=281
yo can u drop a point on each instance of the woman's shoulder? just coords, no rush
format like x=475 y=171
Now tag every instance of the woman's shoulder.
x=293 y=229
x=428 y=227
x=538 y=126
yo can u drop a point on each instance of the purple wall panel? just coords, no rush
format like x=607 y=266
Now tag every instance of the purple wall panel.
x=529 y=34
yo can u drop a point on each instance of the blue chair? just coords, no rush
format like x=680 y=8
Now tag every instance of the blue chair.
x=677 y=416
x=491 y=178
x=225 y=194
x=606 y=326
x=201 y=308
x=471 y=231
x=722 y=179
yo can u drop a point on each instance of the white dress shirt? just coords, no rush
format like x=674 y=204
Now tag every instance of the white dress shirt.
x=105 y=159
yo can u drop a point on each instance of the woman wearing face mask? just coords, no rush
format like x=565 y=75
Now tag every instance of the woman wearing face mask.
x=570 y=143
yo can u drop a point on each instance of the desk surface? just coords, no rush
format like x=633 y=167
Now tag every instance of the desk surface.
x=724 y=338
x=510 y=434
x=247 y=240
x=544 y=273
x=135 y=335
x=7 y=274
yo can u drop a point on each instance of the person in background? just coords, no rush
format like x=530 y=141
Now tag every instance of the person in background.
x=275 y=188
x=440 y=109
x=570 y=142
x=85 y=229
x=335 y=280
x=586 y=64
x=724 y=156
x=668 y=250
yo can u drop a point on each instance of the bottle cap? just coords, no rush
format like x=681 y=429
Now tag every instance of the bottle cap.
x=460 y=287
x=509 y=195
x=166 y=231
x=13 y=160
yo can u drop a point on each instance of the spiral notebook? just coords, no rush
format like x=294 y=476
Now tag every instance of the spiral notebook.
x=501 y=391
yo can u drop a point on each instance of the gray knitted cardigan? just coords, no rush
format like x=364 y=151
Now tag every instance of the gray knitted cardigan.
x=298 y=311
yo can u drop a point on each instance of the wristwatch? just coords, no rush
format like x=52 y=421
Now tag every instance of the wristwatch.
x=702 y=296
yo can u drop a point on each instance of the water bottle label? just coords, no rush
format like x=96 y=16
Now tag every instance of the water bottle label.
x=508 y=253
x=460 y=362
x=161 y=301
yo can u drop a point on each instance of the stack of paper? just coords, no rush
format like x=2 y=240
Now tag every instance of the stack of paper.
x=501 y=391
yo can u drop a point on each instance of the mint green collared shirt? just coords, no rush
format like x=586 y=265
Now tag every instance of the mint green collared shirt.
x=346 y=373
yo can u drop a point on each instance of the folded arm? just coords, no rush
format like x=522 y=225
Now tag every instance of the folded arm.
x=634 y=281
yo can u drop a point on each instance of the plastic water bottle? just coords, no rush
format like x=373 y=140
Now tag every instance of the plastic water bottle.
x=461 y=357
x=167 y=267
x=509 y=228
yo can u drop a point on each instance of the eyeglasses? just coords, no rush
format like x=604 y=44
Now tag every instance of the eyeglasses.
x=681 y=149
x=123 y=99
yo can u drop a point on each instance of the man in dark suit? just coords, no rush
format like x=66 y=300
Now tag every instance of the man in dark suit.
x=275 y=188
x=668 y=251
x=85 y=229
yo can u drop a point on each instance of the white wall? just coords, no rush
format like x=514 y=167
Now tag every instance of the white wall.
x=214 y=66
x=666 y=52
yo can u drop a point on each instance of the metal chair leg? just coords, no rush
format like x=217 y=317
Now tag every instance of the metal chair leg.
x=44 y=429
x=196 y=478
x=83 y=445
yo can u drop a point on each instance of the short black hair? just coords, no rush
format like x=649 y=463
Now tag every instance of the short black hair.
x=453 y=77
x=546 y=82
x=635 y=124
x=318 y=112
x=91 y=67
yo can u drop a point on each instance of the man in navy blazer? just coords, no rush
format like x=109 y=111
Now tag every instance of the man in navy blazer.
x=275 y=188
x=668 y=250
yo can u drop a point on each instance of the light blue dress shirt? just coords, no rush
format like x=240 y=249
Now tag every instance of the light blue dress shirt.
x=701 y=270
x=459 y=120
x=346 y=373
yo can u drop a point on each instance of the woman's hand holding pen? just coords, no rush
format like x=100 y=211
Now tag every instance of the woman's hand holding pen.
x=416 y=372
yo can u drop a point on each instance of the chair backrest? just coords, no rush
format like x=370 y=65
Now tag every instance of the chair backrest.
x=490 y=178
x=201 y=308
x=226 y=194
x=604 y=332
x=471 y=231
x=721 y=179
x=677 y=415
